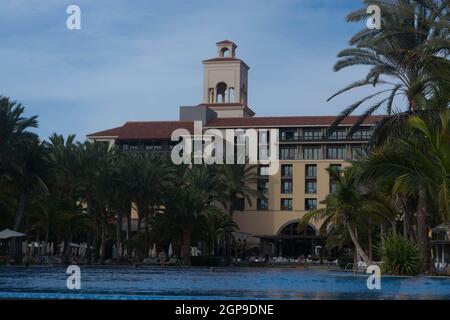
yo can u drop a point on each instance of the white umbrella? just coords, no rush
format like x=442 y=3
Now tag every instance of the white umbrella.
x=7 y=233
x=170 y=251
x=154 y=253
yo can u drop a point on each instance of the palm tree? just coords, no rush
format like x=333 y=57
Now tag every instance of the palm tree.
x=13 y=131
x=29 y=174
x=122 y=195
x=343 y=207
x=407 y=58
x=190 y=202
x=93 y=185
x=238 y=185
x=215 y=228
x=150 y=176
x=21 y=155
x=419 y=166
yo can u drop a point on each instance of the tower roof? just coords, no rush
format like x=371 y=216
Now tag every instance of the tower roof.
x=226 y=42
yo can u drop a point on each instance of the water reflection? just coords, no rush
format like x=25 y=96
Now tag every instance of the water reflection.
x=198 y=283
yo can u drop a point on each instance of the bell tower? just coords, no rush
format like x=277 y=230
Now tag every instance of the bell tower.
x=225 y=83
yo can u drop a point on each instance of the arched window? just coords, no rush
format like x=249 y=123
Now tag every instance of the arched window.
x=231 y=95
x=221 y=90
x=291 y=230
x=224 y=53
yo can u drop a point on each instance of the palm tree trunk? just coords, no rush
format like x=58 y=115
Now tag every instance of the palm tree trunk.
x=228 y=238
x=147 y=232
x=119 y=230
x=186 y=247
x=422 y=230
x=128 y=226
x=103 y=247
x=20 y=210
x=103 y=238
x=358 y=247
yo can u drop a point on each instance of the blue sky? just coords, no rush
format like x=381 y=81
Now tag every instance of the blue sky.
x=141 y=60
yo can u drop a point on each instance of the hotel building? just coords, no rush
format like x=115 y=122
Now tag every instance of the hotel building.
x=304 y=150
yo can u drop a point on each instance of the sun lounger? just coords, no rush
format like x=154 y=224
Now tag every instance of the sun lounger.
x=150 y=261
x=361 y=266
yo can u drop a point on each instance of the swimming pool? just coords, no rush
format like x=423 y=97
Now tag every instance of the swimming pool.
x=129 y=283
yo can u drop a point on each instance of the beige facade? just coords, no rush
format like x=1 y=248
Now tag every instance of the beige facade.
x=271 y=221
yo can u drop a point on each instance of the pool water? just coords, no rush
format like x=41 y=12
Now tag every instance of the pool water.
x=129 y=283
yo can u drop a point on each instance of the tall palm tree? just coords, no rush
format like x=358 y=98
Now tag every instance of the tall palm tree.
x=93 y=185
x=190 y=201
x=29 y=174
x=343 y=207
x=122 y=194
x=419 y=166
x=150 y=176
x=238 y=183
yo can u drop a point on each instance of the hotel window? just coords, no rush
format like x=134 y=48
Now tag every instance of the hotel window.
x=263 y=185
x=358 y=151
x=311 y=170
x=336 y=152
x=263 y=170
x=262 y=204
x=153 y=146
x=312 y=134
x=312 y=153
x=288 y=153
x=133 y=146
x=340 y=134
x=311 y=186
x=286 y=186
x=310 y=204
x=332 y=183
x=335 y=167
x=289 y=135
x=286 y=204
x=333 y=186
x=362 y=134
x=286 y=170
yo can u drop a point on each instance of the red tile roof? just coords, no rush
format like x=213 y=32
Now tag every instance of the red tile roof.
x=286 y=121
x=107 y=133
x=145 y=130
x=225 y=42
x=164 y=129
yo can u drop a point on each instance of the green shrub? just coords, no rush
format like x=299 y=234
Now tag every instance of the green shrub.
x=205 y=261
x=400 y=256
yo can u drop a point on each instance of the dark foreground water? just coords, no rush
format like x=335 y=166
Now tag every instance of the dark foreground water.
x=200 y=283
